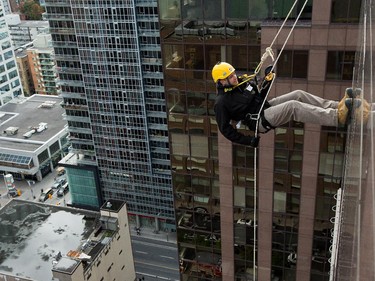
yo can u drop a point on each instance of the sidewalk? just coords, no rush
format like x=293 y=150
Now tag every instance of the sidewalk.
x=30 y=193
x=149 y=233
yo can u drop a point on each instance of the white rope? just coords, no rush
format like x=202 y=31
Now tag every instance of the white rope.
x=371 y=40
x=268 y=53
x=278 y=56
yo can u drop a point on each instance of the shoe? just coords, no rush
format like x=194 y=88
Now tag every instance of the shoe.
x=350 y=93
x=361 y=109
x=343 y=110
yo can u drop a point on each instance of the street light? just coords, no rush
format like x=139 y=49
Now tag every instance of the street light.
x=31 y=182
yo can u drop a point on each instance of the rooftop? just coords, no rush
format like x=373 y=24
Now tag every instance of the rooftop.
x=26 y=114
x=33 y=236
x=31 y=24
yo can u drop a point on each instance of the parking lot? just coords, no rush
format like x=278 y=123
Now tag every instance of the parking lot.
x=31 y=192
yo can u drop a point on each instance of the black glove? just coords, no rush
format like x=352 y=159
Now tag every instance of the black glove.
x=254 y=142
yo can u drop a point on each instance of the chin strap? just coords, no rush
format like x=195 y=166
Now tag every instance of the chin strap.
x=246 y=78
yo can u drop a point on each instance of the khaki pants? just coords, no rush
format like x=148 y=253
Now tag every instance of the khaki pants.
x=303 y=107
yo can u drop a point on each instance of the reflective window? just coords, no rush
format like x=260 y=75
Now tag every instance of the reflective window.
x=293 y=64
x=280 y=9
x=345 y=11
x=340 y=65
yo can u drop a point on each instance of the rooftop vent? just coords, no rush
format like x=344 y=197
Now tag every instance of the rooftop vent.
x=10 y=131
x=29 y=134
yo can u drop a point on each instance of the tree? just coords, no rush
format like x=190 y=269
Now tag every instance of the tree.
x=31 y=9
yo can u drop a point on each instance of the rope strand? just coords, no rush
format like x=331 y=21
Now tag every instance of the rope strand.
x=268 y=52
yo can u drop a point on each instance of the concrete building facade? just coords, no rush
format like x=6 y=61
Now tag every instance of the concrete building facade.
x=24 y=70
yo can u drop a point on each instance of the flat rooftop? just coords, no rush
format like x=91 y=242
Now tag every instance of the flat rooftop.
x=32 y=24
x=26 y=114
x=33 y=235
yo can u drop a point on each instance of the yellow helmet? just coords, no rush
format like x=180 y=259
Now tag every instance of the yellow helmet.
x=222 y=70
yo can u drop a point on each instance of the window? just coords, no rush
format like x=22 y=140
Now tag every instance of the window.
x=345 y=11
x=280 y=9
x=340 y=65
x=293 y=64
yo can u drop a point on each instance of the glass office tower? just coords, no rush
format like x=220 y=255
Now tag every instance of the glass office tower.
x=108 y=59
x=299 y=165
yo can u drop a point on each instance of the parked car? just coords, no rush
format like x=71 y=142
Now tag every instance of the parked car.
x=13 y=192
x=63 y=190
x=61 y=180
x=60 y=171
x=56 y=185
x=45 y=195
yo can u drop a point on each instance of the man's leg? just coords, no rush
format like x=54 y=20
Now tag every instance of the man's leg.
x=301 y=112
x=305 y=97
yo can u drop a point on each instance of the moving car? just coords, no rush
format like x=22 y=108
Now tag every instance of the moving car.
x=63 y=190
x=46 y=194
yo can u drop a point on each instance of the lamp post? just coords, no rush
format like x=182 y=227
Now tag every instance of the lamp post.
x=31 y=182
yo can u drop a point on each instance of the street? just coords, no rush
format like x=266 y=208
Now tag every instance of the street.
x=155 y=260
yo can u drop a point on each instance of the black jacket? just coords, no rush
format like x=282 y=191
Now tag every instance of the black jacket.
x=235 y=104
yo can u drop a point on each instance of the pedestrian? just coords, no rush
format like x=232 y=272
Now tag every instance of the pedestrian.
x=239 y=99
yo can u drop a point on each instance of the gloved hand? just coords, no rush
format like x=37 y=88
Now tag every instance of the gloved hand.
x=268 y=75
x=254 y=142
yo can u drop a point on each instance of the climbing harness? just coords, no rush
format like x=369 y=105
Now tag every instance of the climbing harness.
x=269 y=78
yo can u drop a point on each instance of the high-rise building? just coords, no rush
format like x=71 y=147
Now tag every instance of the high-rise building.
x=10 y=85
x=298 y=165
x=108 y=60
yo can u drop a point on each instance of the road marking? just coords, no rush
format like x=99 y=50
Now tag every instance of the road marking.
x=141 y=252
x=157 y=265
x=172 y=258
x=153 y=244
x=155 y=276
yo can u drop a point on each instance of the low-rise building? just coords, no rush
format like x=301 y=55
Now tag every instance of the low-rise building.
x=42 y=65
x=33 y=136
x=46 y=242
x=25 y=71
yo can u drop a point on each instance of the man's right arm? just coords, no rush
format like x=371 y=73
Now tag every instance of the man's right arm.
x=228 y=131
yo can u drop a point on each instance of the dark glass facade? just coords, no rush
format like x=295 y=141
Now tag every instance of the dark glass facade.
x=213 y=180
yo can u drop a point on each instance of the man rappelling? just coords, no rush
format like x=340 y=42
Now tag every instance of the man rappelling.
x=239 y=99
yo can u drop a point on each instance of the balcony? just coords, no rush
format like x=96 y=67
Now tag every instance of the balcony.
x=53 y=3
x=74 y=106
x=76 y=118
x=57 y=16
